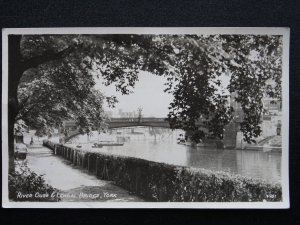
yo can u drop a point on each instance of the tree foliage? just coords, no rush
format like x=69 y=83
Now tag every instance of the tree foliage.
x=59 y=79
x=56 y=95
x=59 y=73
x=200 y=66
x=257 y=60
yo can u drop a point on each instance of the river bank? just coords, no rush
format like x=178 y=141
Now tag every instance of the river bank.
x=163 y=182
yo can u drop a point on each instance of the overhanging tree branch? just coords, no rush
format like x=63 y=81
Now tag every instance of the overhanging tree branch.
x=49 y=55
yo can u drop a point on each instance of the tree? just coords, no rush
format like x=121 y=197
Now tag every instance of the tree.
x=51 y=77
x=53 y=98
x=257 y=60
x=196 y=81
x=55 y=76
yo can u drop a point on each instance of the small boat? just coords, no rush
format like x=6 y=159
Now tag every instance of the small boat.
x=97 y=145
x=106 y=143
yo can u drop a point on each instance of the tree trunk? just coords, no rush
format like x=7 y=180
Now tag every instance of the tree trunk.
x=16 y=68
x=11 y=165
x=14 y=75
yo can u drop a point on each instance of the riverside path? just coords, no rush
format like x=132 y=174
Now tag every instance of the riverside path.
x=74 y=185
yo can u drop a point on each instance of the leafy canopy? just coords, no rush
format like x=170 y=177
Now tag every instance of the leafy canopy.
x=201 y=65
x=59 y=81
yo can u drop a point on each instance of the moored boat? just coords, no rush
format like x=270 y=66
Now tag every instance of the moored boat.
x=106 y=143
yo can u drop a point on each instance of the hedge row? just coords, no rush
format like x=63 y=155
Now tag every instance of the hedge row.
x=162 y=182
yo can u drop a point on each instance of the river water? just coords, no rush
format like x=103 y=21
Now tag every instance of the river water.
x=160 y=145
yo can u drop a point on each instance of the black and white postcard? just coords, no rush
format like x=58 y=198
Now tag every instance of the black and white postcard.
x=145 y=117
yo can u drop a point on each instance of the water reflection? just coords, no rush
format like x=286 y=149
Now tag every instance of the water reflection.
x=163 y=147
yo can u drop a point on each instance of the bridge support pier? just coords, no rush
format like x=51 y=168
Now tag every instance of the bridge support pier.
x=233 y=137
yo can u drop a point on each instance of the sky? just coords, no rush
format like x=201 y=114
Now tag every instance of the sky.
x=148 y=94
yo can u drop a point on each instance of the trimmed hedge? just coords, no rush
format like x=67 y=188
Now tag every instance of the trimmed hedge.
x=162 y=182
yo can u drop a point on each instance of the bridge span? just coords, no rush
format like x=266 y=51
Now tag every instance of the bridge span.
x=134 y=122
x=131 y=122
x=114 y=123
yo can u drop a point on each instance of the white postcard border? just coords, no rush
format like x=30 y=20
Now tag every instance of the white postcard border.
x=152 y=30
